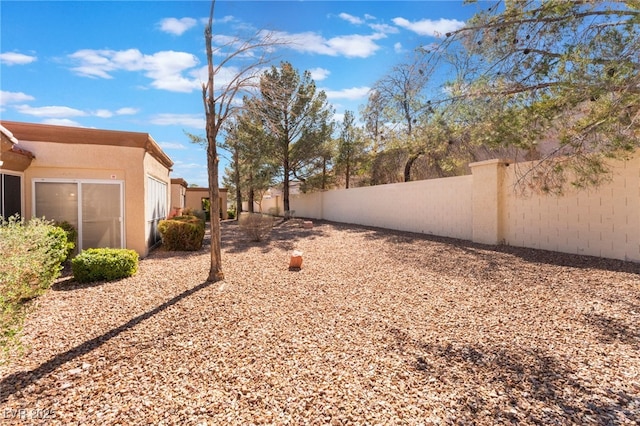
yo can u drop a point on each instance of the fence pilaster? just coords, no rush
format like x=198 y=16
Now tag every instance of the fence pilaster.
x=488 y=194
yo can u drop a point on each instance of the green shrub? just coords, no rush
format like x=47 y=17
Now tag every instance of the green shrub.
x=182 y=233
x=255 y=225
x=31 y=254
x=231 y=213
x=200 y=214
x=72 y=237
x=104 y=264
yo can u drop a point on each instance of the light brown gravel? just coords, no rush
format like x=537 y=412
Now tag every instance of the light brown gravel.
x=378 y=327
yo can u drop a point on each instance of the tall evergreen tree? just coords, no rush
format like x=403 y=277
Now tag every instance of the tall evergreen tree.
x=294 y=115
x=351 y=148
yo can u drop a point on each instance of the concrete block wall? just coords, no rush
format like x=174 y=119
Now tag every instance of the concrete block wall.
x=436 y=207
x=603 y=222
x=485 y=207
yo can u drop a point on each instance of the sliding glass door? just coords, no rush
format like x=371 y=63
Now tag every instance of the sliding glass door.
x=101 y=215
x=94 y=208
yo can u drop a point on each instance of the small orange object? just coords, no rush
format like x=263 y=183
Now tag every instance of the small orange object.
x=296 y=260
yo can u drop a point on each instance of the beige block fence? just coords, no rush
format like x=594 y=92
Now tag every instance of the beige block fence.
x=486 y=207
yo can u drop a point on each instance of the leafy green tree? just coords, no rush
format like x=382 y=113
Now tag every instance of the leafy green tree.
x=400 y=95
x=352 y=148
x=231 y=178
x=558 y=80
x=295 y=118
x=373 y=116
x=321 y=175
x=252 y=169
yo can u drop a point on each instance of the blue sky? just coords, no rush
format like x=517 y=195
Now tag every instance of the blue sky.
x=139 y=66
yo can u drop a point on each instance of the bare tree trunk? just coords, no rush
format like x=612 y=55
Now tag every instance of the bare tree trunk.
x=251 y=194
x=285 y=190
x=236 y=178
x=324 y=174
x=348 y=173
x=215 y=271
x=408 y=164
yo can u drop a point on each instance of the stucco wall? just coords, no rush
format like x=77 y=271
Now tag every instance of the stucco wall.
x=602 y=222
x=438 y=206
x=114 y=163
x=194 y=196
x=178 y=193
x=485 y=207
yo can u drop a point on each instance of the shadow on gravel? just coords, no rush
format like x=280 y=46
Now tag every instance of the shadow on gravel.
x=513 y=385
x=613 y=330
x=284 y=236
x=487 y=251
x=16 y=382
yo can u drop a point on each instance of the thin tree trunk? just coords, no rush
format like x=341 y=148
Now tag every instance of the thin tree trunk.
x=251 y=194
x=347 y=174
x=285 y=189
x=408 y=164
x=215 y=271
x=236 y=178
x=324 y=174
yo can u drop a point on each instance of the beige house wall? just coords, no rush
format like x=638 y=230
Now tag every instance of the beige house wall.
x=485 y=207
x=194 y=196
x=98 y=162
x=178 y=194
x=73 y=154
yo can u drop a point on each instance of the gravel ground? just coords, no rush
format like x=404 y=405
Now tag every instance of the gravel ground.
x=378 y=327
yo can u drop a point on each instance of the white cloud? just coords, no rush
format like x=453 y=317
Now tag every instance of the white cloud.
x=61 y=122
x=350 y=18
x=360 y=46
x=190 y=120
x=14 y=97
x=177 y=26
x=384 y=28
x=429 y=27
x=355 y=45
x=172 y=145
x=13 y=58
x=164 y=68
x=188 y=166
x=64 y=112
x=53 y=111
x=351 y=94
x=319 y=74
x=226 y=75
x=127 y=111
x=103 y=113
x=223 y=20
x=397 y=47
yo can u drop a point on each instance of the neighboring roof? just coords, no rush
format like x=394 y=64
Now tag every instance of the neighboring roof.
x=80 y=135
x=179 y=181
x=203 y=189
